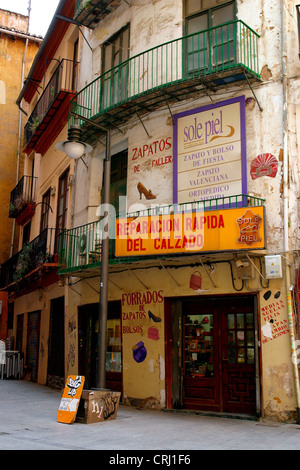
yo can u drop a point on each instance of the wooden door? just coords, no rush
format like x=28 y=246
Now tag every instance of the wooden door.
x=238 y=358
x=218 y=355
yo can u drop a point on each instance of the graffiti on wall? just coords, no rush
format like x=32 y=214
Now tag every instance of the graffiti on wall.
x=100 y=405
x=71 y=341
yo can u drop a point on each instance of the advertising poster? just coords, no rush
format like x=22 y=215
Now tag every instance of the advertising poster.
x=210 y=152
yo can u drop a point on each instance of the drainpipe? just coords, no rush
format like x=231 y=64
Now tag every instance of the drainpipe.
x=19 y=149
x=286 y=214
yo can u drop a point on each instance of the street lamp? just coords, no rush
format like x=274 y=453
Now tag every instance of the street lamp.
x=74 y=148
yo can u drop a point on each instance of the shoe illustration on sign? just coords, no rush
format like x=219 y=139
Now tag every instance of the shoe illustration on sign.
x=147 y=193
x=153 y=317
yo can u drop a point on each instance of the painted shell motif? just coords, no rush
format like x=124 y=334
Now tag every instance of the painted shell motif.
x=264 y=165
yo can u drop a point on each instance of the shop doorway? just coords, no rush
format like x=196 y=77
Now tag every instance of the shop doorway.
x=33 y=342
x=56 y=351
x=213 y=362
x=88 y=325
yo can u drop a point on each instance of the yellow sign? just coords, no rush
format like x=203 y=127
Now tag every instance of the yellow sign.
x=188 y=232
x=70 y=399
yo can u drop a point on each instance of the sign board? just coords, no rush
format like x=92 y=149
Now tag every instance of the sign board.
x=210 y=152
x=70 y=399
x=197 y=231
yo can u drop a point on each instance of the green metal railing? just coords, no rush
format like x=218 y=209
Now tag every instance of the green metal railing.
x=224 y=48
x=90 y=12
x=80 y=247
x=79 y=6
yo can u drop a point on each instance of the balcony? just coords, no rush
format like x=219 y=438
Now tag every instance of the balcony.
x=22 y=200
x=80 y=247
x=184 y=68
x=50 y=113
x=30 y=265
x=90 y=12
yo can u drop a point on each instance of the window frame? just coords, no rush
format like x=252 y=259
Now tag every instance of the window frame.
x=64 y=196
x=208 y=11
x=45 y=210
x=104 y=70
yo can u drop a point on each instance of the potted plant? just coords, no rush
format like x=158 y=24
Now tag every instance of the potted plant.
x=24 y=262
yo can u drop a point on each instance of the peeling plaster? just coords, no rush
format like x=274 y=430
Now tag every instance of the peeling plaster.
x=283 y=377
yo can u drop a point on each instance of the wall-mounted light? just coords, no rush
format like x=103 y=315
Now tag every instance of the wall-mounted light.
x=73 y=147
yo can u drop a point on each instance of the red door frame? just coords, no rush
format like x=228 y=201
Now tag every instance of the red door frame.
x=169 y=344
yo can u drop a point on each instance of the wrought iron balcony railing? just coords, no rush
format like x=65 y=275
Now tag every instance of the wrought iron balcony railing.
x=62 y=82
x=80 y=247
x=23 y=195
x=214 y=57
x=41 y=250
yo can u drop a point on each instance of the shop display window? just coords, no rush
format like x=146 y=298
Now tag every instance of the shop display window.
x=198 y=333
x=113 y=353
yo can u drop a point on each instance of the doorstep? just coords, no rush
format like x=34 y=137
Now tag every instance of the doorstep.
x=214 y=414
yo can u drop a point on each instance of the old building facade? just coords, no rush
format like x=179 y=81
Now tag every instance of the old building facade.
x=194 y=104
x=18 y=49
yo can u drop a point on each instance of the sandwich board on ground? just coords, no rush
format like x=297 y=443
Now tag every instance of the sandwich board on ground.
x=70 y=399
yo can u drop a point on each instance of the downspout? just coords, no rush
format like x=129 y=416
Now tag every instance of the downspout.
x=285 y=212
x=19 y=148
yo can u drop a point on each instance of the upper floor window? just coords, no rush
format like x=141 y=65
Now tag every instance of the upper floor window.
x=62 y=203
x=118 y=182
x=45 y=210
x=115 y=52
x=193 y=7
x=212 y=41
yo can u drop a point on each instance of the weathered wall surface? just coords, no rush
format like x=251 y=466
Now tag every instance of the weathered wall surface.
x=151 y=165
x=12 y=50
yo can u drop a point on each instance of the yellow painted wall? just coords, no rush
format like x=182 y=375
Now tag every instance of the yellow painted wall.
x=11 y=56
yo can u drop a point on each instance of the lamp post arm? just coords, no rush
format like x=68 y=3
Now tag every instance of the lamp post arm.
x=103 y=300
x=103 y=295
x=89 y=121
x=46 y=204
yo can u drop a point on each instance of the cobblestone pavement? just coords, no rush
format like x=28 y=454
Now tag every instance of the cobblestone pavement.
x=28 y=421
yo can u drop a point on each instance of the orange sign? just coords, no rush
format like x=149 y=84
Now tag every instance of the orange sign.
x=249 y=225
x=220 y=230
x=70 y=399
